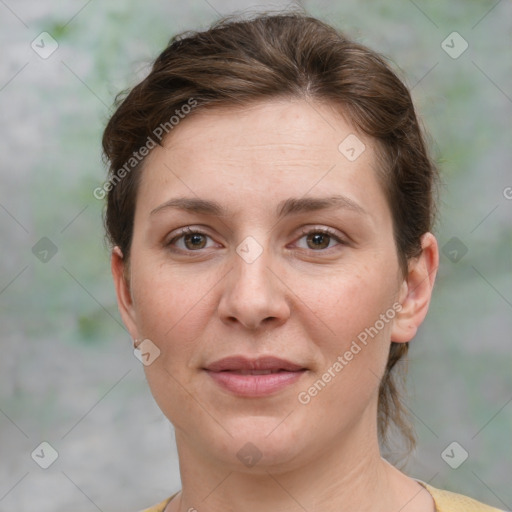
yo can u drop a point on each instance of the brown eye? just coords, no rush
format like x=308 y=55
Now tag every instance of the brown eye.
x=194 y=241
x=320 y=239
x=189 y=240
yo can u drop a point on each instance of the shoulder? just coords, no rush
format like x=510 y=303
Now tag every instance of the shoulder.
x=447 y=501
x=161 y=506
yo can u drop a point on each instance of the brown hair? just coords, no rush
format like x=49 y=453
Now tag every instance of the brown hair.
x=238 y=61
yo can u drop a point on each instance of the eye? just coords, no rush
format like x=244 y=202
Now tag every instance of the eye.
x=188 y=240
x=193 y=240
x=320 y=239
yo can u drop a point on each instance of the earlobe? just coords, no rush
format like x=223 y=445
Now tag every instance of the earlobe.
x=123 y=292
x=416 y=291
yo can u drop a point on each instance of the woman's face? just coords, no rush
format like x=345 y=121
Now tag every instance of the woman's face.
x=264 y=279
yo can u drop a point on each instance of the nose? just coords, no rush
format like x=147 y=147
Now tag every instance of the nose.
x=253 y=294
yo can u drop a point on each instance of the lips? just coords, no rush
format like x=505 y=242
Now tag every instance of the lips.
x=256 y=377
x=263 y=365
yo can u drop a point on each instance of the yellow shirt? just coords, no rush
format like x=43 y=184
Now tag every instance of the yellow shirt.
x=445 y=501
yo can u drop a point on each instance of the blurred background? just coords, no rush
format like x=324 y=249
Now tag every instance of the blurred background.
x=68 y=376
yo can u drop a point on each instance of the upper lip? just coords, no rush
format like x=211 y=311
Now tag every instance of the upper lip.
x=261 y=363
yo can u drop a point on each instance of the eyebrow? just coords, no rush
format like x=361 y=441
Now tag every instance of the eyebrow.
x=284 y=208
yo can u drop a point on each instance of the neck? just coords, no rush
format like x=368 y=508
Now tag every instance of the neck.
x=349 y=475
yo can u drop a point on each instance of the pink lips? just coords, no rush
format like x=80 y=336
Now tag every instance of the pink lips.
x=258 y=377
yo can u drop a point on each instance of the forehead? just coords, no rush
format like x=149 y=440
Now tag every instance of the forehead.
x=269 y=149
x=280 y=125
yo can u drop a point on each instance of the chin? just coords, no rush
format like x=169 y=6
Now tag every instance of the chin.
x=257 y=444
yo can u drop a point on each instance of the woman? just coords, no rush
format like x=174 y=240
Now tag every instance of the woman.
x=270 y=207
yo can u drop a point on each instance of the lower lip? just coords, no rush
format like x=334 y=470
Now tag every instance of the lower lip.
x=255 y=385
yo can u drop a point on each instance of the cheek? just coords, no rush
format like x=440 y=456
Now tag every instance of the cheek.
x=352 y=363
x=168 y=302
x=349 y=304
x=171 y=312
x=352 y=337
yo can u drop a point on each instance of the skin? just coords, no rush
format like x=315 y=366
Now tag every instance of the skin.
x=303 y=300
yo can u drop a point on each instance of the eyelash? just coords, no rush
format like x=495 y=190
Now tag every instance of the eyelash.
x=304 y=232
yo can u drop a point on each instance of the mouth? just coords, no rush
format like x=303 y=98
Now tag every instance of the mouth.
x=261 y=364
x=255 y=372
x=254 y=378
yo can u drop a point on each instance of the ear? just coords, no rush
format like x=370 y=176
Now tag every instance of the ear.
x=416 y=291
x=124 y=297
